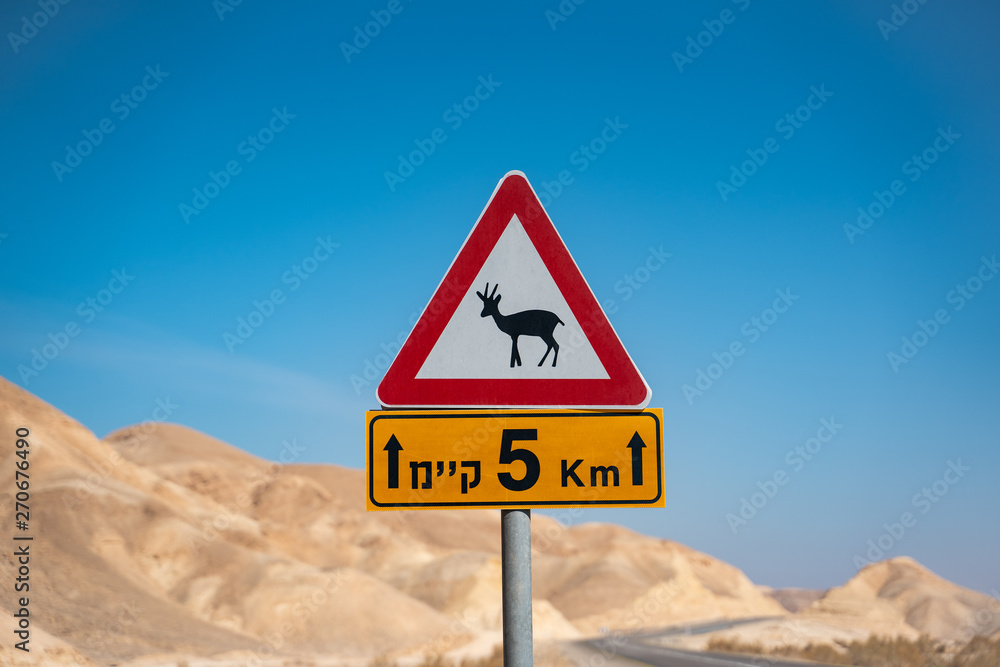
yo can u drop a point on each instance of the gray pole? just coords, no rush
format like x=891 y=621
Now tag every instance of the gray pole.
x=515 y=548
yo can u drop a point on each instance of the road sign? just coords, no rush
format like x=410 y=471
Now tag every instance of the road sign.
x=438 y=459
x=547 y=344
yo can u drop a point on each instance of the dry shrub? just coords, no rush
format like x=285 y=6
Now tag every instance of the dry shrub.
x=873 y=652
x=723 y=645
x=980 y=652
x=894 y=652
x=823 y=653
x=495 y=659
x=382 y=661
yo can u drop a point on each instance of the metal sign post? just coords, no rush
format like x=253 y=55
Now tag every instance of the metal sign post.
x=474 y=427
x=515 y=547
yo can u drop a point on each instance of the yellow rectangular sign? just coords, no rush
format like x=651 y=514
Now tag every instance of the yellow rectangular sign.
x=441 y=459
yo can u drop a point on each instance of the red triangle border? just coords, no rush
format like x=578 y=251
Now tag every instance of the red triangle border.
x=625 y=387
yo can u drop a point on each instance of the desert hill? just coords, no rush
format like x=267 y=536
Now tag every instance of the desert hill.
x=448 y=560
x=793 y=599
x=135 y=563
x=902 y=591
x=897 y=597
x=162 y=542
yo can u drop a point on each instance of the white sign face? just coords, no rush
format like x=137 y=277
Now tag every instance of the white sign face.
x=473 y=346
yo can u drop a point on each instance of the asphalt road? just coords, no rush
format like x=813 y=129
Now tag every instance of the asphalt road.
x=644 y=647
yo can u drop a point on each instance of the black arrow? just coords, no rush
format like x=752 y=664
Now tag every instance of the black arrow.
x=636 y=445
x=394 y=448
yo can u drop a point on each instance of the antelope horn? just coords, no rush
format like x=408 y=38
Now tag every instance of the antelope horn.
x=494 y=290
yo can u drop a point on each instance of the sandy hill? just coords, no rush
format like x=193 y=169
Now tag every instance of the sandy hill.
x=136 y=563
x=162 y=541
x=793 y=599
x=901 y=591
x=895 y=597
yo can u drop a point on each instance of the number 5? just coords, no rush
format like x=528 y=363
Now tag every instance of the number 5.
x=532 y=468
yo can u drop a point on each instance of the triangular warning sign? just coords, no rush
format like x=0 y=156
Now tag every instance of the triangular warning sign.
x=513 y=324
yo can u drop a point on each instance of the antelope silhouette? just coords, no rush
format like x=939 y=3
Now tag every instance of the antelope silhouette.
x=539 y=323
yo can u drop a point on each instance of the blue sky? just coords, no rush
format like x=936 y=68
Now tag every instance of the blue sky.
x=308 y=130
